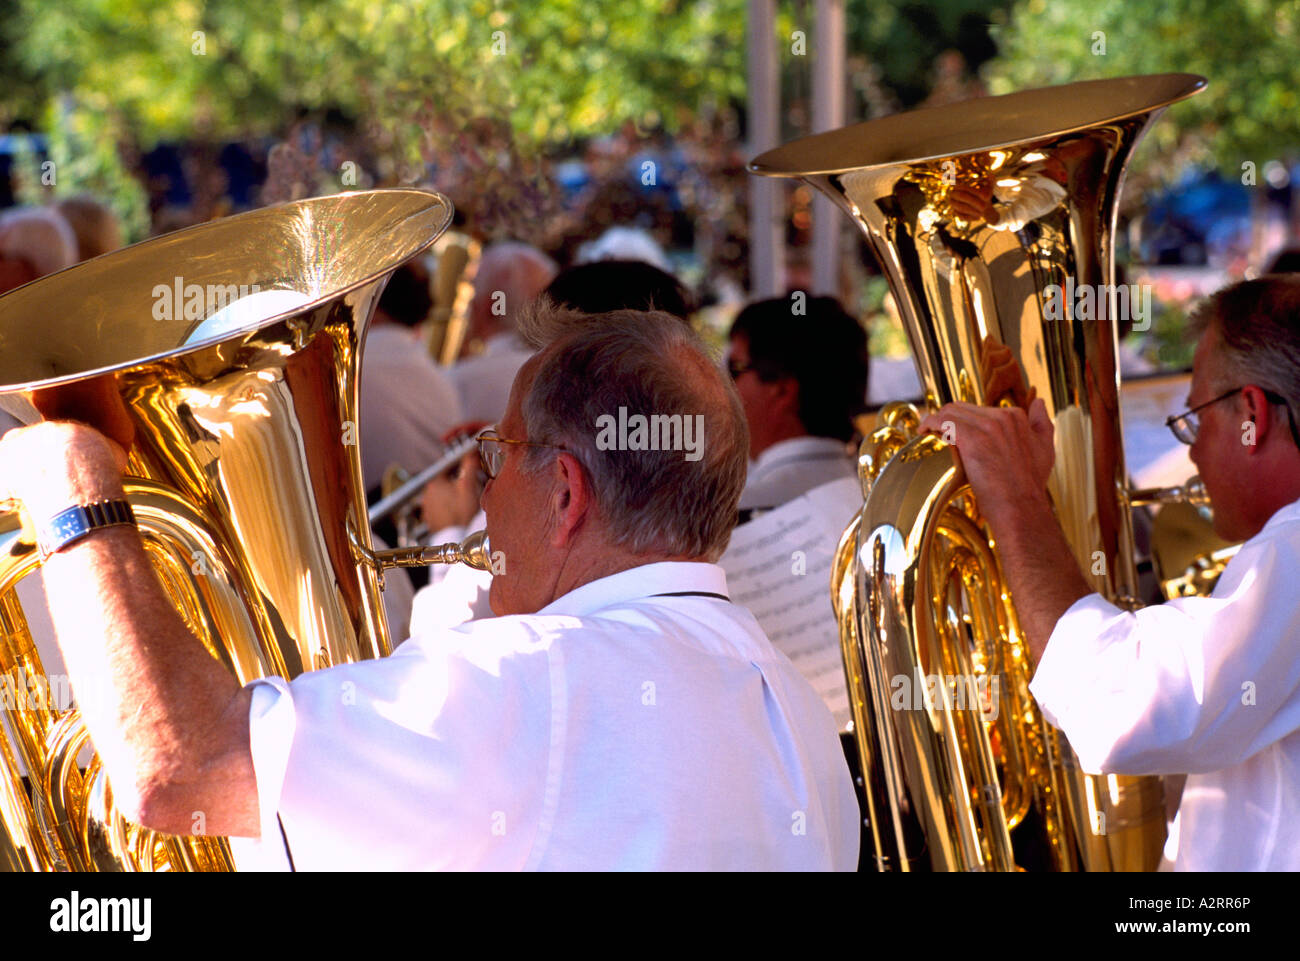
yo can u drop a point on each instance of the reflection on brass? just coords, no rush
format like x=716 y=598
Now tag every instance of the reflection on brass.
x=458 y=257
x=1191 y=492
x=979 y=214
x=243 y=473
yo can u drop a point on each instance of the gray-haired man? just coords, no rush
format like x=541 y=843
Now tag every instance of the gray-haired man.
x=621 y=714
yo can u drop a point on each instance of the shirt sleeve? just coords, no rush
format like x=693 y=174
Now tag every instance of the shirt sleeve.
x=1192 y=685
x=271 y=725
x=421 y=760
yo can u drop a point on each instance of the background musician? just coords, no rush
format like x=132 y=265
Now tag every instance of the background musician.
x=509 y=276
x=407 y=401
x=800 y=367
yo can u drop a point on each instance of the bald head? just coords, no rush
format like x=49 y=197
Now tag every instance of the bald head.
x=38 y=240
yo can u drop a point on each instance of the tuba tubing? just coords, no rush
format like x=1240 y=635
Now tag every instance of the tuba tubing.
x=233 y=349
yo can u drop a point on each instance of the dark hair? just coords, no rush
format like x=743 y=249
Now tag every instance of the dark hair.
x=1258 y=324
x=815 y=341
x=406 y=299
x=1286 y=262
x=605 y=285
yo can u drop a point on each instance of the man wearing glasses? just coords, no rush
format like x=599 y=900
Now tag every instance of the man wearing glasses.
x=620 y=713
x=1206 y=686
x=800 y=368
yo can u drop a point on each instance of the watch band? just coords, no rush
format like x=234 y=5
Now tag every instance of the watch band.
x=76 y=522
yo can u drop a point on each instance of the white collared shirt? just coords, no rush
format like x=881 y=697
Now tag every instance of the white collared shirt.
x=1208 y=686
x=612 y=730
x=407 y=404
x=456 y=593
x=483 y=382
x=793 y=467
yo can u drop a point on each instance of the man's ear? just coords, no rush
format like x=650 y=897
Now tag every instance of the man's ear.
x=785 y=394
x=1258 y=414
x=571 y=498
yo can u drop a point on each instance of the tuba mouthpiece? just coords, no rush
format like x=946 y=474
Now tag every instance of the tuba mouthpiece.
x=473 y=550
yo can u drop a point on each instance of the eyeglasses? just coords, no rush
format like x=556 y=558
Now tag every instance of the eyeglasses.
x=1187 y=424
x=492 y=451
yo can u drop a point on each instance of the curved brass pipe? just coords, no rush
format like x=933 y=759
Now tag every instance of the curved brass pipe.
x=244 y=472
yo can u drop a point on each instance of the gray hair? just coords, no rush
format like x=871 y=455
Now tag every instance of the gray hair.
x=648 y=363
x=516 y=270
x=1258 y=325
x=40 y=236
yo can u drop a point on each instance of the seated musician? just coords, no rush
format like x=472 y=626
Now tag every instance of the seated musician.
x=620 y=713
x=509 y=276
x=800 y=367
x=1206 y=686
x=450 y=504
x=407 y=401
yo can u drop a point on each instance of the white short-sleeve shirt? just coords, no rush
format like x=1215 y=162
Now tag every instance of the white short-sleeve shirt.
x=793 y=467
x=1206 y=686
x=613 y=730
x=407 y=404
x=483 y=382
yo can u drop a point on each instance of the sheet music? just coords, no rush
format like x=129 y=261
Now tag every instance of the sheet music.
x=779 y=566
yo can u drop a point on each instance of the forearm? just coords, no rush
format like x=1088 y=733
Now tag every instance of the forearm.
x=1040 y=568
x=168 y=720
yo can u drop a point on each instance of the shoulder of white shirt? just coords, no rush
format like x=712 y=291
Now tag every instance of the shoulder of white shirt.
x=1283 y=515
x=596 y=607
x=795 y=449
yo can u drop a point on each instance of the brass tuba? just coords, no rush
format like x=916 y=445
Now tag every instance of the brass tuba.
x=993 y=221
x=234 y=349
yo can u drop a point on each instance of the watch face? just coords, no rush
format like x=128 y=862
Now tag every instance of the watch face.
x=70 y=522
x=75 y=522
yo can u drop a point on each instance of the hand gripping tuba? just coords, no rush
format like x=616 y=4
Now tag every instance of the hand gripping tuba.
x=993 y=221
x=234 y=351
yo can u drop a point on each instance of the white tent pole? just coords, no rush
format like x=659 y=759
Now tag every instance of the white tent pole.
x=766 y=207
x=828 y=114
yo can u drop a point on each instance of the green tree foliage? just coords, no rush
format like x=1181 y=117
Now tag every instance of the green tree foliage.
x=902 y=39
x=181 y=68
x=485 y=82
x=1246 y=48
x=82 y=147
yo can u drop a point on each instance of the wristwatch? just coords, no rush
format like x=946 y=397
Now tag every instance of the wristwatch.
x=76 y=522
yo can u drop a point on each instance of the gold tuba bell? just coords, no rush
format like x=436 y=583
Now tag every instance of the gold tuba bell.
x=234 y=349
x=990 y=219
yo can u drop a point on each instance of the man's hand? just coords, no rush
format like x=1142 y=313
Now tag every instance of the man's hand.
x=171 y=724
x=97 y=402
x=1007 y=453
x=452 y=499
